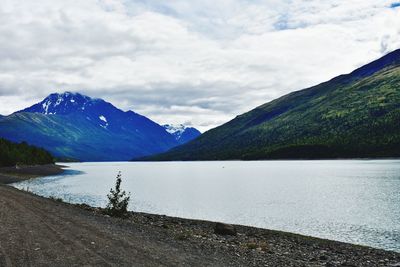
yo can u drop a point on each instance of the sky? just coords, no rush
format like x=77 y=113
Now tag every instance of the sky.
x=199 y=63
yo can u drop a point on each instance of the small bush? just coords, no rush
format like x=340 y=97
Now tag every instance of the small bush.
x=251 y=245
x=58 y=199
x=182 y=236
x=263 y=245
x=118 y=200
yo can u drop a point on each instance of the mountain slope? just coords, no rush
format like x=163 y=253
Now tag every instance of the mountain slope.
x=71 y=125
x=353 y=115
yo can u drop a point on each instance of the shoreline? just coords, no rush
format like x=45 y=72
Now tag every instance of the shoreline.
x=9 y=175
x=267 y=160
x=171 y=238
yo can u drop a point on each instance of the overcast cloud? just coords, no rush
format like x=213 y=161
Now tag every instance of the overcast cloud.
x=194 y=62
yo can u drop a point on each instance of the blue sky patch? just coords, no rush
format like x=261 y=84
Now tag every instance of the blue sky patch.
x=394 y=5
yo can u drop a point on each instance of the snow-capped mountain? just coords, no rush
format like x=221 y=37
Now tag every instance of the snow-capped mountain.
x=182 y=133
x=71 y=125
x=61 y=104
x=98 y=111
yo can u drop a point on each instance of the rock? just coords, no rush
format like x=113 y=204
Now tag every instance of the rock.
x=323 y=257
x=348 y=264
x=224 y=229
x=395 y=264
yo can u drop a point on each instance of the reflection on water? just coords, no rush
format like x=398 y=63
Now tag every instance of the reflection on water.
x=347 y=200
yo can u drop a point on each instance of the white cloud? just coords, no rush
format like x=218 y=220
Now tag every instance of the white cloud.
x=198 y=62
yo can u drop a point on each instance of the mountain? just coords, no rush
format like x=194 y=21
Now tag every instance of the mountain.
x=353 y=115
x=182 y=133
x=74 y=126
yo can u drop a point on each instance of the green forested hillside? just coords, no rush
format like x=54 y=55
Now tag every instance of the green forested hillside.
x=354 y=115
x=13 y=153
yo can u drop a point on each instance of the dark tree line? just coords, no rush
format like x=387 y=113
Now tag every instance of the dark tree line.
x=22 y=153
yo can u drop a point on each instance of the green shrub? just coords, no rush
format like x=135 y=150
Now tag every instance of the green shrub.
x=118 y=200
x=58 y=199
x=251 y=245
x=182 y=236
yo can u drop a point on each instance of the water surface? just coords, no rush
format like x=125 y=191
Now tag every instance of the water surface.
x=353 y=201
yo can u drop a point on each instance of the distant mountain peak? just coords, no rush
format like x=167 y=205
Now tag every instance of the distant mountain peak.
x=175 y=128
x=182 y=133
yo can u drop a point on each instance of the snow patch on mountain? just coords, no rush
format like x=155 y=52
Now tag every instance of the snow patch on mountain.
x=175 y=130
x=101 y=117
x=104 y=123
x=59 y=100
x=45 y=106
x=182 y=133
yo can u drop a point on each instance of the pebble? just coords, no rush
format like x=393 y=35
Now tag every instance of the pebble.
x=323 y=257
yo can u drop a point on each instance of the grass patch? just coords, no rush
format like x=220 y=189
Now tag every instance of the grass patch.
x=182 y=236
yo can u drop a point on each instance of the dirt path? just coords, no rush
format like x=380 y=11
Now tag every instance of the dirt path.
x=40 y=232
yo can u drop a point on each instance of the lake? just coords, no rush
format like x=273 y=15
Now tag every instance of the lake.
x=355 y=201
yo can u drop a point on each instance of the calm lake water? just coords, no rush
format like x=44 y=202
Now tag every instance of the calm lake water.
x=353 y=201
